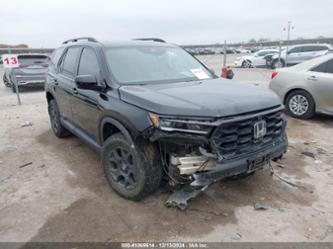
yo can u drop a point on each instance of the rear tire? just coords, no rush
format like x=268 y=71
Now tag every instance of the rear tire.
x=132 y=171
x=58 y=129
x=5 y=81
x=300 y=104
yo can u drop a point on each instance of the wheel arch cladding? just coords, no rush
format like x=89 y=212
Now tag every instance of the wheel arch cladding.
x=110 y=126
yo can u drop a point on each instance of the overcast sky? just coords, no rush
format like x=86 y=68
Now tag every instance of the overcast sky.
x=42 y=23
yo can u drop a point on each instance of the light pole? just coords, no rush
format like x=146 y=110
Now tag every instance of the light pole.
x=289 y=27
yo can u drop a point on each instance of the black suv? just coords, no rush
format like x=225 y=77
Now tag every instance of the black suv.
x=152 y=111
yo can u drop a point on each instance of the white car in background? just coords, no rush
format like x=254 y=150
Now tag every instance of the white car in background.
x=298 y=54
x=306 y=88
x=255 y=60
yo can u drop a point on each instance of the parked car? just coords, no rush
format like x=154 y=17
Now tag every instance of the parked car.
x=30 y=73
x=228 y=51
x=255 y=60
x=151 y=109
x=306 y=88
x=298 y=54
x=244 y=51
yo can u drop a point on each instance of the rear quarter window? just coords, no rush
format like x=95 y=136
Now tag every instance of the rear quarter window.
x=325 y=67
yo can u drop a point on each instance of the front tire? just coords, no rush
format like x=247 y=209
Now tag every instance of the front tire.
x=132 y=171
x=246 y=64
x=278 y=64
x=300 y=104
x=58 y=129
x=5 y=81
x=13 y=88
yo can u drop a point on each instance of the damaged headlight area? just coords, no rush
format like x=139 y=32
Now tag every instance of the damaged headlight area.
x=200 y=127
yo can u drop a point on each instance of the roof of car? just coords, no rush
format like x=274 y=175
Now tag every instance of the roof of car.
x=312 y=44
x=267 y=49
x=127 y=43
x=136 y=43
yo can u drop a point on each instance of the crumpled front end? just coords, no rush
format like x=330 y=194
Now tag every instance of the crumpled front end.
x=198 y=153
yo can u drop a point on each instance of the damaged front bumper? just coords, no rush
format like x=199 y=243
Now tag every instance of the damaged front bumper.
x=250 y=163
x=246 y=164
x=233 y=145
x=194 y=161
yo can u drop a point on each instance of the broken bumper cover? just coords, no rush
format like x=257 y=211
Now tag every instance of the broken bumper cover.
x=249 y=163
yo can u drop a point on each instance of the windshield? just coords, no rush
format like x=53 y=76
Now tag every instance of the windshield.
x=149 y=65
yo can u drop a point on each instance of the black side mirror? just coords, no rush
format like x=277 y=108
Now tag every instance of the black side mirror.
x=88 y=82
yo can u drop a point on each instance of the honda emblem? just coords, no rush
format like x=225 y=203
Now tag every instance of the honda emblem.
x=259 y=129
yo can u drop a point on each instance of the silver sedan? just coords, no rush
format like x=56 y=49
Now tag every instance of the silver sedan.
x=306 y=88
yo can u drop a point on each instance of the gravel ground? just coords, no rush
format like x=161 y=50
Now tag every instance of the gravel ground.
x=62 y=194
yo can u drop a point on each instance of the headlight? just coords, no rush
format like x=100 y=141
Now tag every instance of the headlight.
x=181 y=125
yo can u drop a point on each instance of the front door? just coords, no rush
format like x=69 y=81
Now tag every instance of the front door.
x=85 y=104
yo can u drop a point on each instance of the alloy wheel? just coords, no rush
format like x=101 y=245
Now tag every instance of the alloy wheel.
x=122 y=168
x=299 y=105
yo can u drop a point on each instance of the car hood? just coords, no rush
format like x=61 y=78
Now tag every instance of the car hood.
x=208 y=98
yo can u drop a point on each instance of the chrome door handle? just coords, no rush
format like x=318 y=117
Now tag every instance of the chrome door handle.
x=312 y=78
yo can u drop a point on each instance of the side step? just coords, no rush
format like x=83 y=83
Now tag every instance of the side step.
x=81 y=134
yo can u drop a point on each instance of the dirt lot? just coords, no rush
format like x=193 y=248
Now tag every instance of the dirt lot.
x=63 y=196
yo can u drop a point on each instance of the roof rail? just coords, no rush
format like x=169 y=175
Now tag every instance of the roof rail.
x=150 y=39
x=91 y=39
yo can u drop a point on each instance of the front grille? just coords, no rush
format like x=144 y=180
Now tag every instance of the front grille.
x=237 y=138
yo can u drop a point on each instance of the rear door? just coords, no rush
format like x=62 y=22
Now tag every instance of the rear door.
x=295 y=55
x=320 y=78
x=259 y=60
x=310 y=52
x=65 y=85
x=85 y=103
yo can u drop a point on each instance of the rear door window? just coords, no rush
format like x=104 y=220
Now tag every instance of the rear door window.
x=296 y=50
x=69 y=63
x=320 y=48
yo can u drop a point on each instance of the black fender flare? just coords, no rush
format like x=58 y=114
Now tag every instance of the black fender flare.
x=120 y=126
